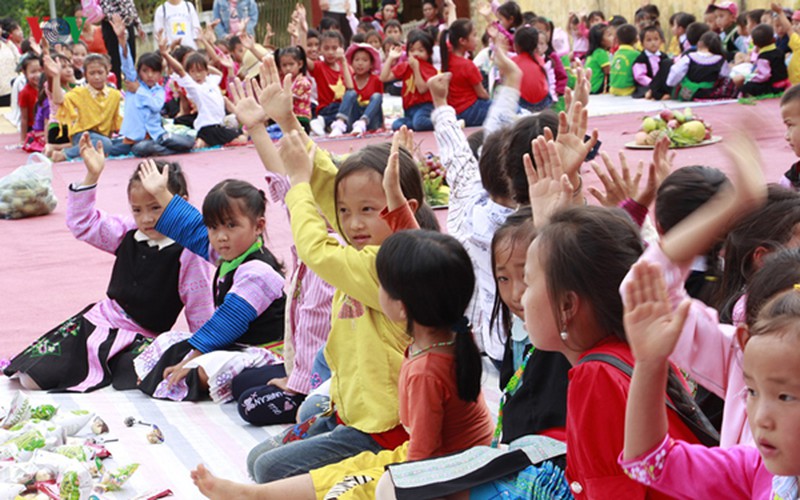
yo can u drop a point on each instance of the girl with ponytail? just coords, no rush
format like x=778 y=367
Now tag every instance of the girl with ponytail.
x=466 y=95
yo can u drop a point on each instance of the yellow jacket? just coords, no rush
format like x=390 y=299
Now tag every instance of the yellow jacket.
x=364 y=349
x=87 y=109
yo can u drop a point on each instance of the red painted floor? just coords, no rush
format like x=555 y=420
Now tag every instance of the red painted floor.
x=47 y=275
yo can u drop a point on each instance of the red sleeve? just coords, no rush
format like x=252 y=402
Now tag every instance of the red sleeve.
x=473 y=73
x=399 y=70
x=400 y=218
x=426 y=396
x=27 y=97
x=595 y=433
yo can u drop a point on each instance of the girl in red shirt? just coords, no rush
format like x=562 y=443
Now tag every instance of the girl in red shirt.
x=29 y=95
x=362 y=106
x=467 y=95
x=572 y=305
x=415 y=73
x=534 y=90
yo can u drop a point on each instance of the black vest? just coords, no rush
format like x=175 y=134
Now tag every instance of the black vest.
x=644 y=59
x=704 y=72
x=777 y=64
x=268 y=327
x=145 y=283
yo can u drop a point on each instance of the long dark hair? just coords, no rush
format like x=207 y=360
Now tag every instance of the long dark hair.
x=421 y=36
x=461 y=28
x=781 y=271
x=712 y=42
x=518 y=229
x=596 y=37
x=526 y=39
x=373 y=158
x=517 y=143
x=588 y=251
x=432 y=275
x=297 y=53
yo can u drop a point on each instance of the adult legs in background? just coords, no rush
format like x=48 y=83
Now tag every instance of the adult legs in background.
x=112 y=45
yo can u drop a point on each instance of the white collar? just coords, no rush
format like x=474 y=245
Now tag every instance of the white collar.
x=651 y=54
x=161 y=244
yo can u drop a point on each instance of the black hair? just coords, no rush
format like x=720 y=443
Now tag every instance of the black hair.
x=312 y=33
x=329 y=24
x=365 y=26
x=595 y=13
x=8 y=24
x=461 y=28
x=780 y=271
x=526 y=40
x=392 y=23
x=79 y=42
x=223 y=200
x=518 y=229
x=97 y=59
x=511 y=11
x=433 y=31
x=712 y=42
x=626 y=34
x=755 y=15
x=769 y=227
x=176 y=184
x=182 y=51
x=791 y=95
x=196 y=60
x=358 y=38
x=741 y=20
x=150 y=60
x=332 y=35
x=26 y=48
x=297 y=53
x=763 y=35
x=684 y=20
x=234 y=42
x=373 y=158
x=26 y=61
x=569 y=248
x=475 y=141
x=649 y=29
x=369 y=34
x=421 y=36
x=617 y=21
x=651 y=10
x=517 y=143
x=432 y=276
x=492 y=178
x=694 y=31
x=596 y=33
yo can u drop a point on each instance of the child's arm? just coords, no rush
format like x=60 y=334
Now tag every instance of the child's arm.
x=250 y=44
x=503 y=110
x=640 y=74
x=386 y=69
x=426 y=395
x=678 y=71
x=53 y=70
x=180 y=220
x=163 y=48
x=347 y=78
x=480 y=91
x=399 y=212
x=128 y=67
x=777 y=10
x=419 y=80
x=23 y=122
x=653 y=331
x=85 y=222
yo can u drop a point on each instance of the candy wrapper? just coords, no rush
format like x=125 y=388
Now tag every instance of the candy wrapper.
x=44 y=412
x=77 y=452
x=27 y=191
x=99 y=426
x=113 y=481
x=73 y=421
x=18 y=411
x=9 y=491
x=155 y=436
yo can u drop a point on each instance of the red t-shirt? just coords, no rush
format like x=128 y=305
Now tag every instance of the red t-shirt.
x=373 y=86
x=438 y=421
x=534 y=86
x=596 y=401
x=411 y=97
x=27 y=99
x=330 y=85
x=462 y=86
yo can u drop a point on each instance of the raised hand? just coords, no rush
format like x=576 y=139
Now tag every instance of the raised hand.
x=571 y=144
x=298 y=162
x=163 y=44
x=651 y=326
x=549 y=188
x=394 y=54
x=93 y=157
x=511 y=73
x=439 y=86
x=247 y=40
x=276 y=95
x=52 y=68
x=119 y=26
x=155 y=182
x=660 y=168
x=268 y=35
x=485 y=9
x=391 y=176
x=619 y=187
x=748 y=176
x=242 y=103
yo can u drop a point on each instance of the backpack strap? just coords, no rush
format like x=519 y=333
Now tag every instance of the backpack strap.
x=678 y=399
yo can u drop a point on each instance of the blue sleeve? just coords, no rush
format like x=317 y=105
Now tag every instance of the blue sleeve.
x=128 y=68
x=184 y=223
x=151 y=98
x=228 y=323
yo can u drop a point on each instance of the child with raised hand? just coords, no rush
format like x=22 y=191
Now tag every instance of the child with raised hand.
x=466 y=95
x=272 y=394
x=708 y=351
x=426 y=282
x=771 y=366
x=201 y=83
x=144 y=98
x=141 y=301
x=793 y=42
x=364 y=347
x=248 y=293
x=414 y=74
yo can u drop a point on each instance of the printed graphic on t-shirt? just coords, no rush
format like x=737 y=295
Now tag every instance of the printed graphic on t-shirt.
x=338 y=89
x=411 y=85
x=179 y=28
x=351 y=309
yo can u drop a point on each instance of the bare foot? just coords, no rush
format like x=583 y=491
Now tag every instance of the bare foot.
x=239 y=141
x=199 y=144
x=58 y=156
x=218 y=489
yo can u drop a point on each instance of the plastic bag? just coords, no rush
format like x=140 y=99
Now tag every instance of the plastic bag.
x=27 y=191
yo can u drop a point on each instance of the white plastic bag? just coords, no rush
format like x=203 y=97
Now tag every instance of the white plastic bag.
x=28 y=191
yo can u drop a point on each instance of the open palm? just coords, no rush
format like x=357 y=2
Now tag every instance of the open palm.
x=241 y=101
x=275 y=95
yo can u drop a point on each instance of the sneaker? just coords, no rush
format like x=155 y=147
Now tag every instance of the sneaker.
x=317 y=126
x=338 y=128
x=359 y=127
x=462 y=124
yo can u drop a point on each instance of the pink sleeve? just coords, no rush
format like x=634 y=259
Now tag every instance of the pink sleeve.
x=560 y=74
x=684 y=470
x=195 y=289
x=583 y=30
x=258 y=284
x=277 y=187
x=637 y=211
x=762 y=72
x=95 y=227
x=706 y=349
x=640 y=74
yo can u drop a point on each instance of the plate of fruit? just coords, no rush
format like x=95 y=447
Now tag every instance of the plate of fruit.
x=437 y=193
x=683 y=128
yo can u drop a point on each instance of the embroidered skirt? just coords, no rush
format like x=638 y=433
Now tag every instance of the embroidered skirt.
x=221 y=366
x=90 y=350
